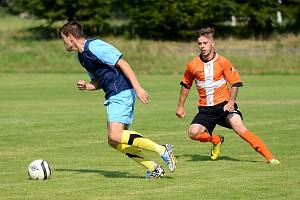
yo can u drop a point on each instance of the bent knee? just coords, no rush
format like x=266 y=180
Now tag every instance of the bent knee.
x=240 y=129
x=111 y=142
x=195 y=130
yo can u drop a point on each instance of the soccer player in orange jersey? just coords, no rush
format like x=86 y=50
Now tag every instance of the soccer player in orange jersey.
x=212 y=74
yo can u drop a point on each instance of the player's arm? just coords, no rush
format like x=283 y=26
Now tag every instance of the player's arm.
x=184 y=91
x=91 y=86
x=233 y=77
x=233 y=95
x=140 y=92
x=186 y=83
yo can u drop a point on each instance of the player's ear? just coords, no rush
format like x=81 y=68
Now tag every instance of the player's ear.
x=213 y=44
x=71 y=37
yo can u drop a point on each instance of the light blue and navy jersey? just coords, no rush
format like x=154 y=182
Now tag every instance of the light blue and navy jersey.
x=99 y=59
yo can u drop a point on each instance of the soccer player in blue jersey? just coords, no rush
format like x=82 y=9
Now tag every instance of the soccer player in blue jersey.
x=110 y=72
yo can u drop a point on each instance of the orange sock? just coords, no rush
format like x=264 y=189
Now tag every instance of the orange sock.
x=205 y=137
x=215 y=139
x=257 y=144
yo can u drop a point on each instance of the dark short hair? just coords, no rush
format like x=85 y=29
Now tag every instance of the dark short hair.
x=74 y=28
x=208 y=32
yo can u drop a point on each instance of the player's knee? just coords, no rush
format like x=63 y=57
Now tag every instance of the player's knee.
x=192 y=135
x=194 y=132
x=109 y=142
x=112 y=142
x=240 y=129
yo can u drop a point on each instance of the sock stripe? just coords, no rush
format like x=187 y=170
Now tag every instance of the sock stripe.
x=133 y=156
x=132 y=137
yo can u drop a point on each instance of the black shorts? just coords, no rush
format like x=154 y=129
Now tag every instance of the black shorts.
x=210 y=116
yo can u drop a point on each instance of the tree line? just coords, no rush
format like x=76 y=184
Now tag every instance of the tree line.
x=167 y=19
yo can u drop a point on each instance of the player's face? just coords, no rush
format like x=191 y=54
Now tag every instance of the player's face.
x=206 y=45
x=68 y=42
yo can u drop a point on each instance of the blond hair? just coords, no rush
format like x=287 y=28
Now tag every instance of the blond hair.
x=207 y=32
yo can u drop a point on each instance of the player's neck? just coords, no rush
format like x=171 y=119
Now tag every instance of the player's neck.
x=80 y=44
x=208 y=57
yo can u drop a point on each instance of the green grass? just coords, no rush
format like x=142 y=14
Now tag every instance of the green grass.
x=44 y=116
x=24 y=51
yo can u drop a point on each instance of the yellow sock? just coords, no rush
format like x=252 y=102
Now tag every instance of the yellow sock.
x=137 y=140
x=136 y=155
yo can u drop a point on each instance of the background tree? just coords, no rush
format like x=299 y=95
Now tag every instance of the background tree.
x=176 y=18
x=166 y=19
x=291 y=14
x=262 y=16
x=91 y=13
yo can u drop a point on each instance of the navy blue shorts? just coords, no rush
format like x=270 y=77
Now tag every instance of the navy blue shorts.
x=210 y=116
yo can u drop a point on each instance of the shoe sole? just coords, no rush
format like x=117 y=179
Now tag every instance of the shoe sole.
x=170 y=149
x=158 y=176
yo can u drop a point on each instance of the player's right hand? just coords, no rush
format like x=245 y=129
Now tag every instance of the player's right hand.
x=180 y=112
x=142 y=95
x=81 y=85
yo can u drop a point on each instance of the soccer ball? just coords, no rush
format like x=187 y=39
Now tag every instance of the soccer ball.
x=39 y=170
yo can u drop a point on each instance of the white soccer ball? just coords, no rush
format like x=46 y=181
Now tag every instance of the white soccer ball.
x=39 y=170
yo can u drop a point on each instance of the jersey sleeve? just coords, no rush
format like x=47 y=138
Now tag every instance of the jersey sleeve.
x=105 y=52
x=231 y=74
x=188 y=77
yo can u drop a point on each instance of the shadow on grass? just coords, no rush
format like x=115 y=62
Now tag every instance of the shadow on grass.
x=105 y=173
x=197 y=157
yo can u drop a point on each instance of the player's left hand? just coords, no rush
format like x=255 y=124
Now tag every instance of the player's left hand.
x=142 y=95
x=229 y=106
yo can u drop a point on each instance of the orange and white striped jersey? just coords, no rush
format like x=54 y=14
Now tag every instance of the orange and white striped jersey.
x=211 y=79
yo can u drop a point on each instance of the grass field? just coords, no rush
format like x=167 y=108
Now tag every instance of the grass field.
x=44 y=116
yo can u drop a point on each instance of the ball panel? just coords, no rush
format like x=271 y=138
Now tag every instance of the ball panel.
x=44 y=170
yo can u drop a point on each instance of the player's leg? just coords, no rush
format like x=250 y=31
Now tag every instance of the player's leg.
x=201 y=129
x=137 y=140
x=116 y=136
x=115 y=130
x=199 y=133
x=120 y=109
x=257 y=144
x=136 y=155
x=154 y=170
